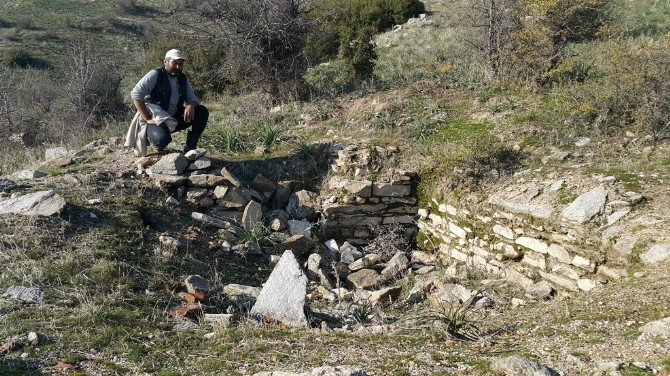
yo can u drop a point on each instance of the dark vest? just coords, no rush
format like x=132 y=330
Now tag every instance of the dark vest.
x=162 y=92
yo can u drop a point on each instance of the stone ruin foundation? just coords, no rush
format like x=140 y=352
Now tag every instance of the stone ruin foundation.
x=359 y=202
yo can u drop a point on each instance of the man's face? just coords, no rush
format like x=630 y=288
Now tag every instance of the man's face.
x=173 y=66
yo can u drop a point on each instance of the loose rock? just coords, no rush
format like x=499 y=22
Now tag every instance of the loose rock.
x=283 y=295
x=24 y=294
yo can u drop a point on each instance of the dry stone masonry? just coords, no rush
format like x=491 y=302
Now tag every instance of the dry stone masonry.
x=522 y=234
x=358 y=200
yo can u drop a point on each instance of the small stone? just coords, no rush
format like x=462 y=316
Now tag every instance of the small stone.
x=586 y=206
x=197 y=284
x=53 y=153
x=366 y=279
x=365 y=261
x=587 y=284
x=396 y=265
x=29 y=175
x=349 y=253
x=232 y=179
x=171 y=200
x=169 y=241
x=193 y=155
x=332 y=245
x=301 y=245
x=61 y=162
x=209 y=335
x=252 y=216
x=44 y=203
x=33 y=338
x=221 y=320
x=516 y=365
x=234 y=290
x=582 y=141
x=303 y=205
x=657 y=253
x=297 y=227
x=660 y=328
x=170 y=164
x=278 y=224
x=384 y=296
x=540 y=291
x=200 y=164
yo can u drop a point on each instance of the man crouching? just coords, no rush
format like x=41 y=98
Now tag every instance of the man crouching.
x=169 y=88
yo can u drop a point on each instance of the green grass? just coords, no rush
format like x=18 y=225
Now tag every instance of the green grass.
x=666 y=364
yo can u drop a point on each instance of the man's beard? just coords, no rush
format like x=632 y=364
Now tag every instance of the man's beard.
x=173 y=72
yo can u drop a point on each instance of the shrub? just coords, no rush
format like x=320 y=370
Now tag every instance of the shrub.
x=346 y=28
x=626 y=89
x=358 y=49
x=93 y=83
x=19 y=57
x=268 y=37
x=526 y=39
x=485 y=158
x=331 y=79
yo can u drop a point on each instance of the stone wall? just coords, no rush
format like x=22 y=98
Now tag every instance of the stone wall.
x=359 y=200
x=523 y=240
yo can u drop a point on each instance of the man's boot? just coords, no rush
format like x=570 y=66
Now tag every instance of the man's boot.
x=191 y=141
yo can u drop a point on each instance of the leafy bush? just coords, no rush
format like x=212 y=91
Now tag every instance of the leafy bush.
x=359 y=49
x=346 y=28
x=530 y=40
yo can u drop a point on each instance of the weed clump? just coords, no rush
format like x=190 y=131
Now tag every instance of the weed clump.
x=387 y=241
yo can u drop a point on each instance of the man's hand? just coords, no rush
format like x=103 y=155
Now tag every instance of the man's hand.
x=189 y=113
x=142 y=109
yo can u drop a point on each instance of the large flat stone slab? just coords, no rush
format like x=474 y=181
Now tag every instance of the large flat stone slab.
x=586 y=206
x=24 y=294
x=170 y=164
x=44 y=203
x=659 y=328
x=516 y=365
x=657 y=253
x=524 y=199
x=283 y=295
x=321 y=371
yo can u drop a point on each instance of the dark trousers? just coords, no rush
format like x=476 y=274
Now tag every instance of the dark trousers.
x=160 y=136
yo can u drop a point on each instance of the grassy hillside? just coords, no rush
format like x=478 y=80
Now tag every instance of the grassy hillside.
x=45 y=28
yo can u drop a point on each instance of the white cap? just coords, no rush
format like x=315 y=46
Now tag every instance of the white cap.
x=175 y=54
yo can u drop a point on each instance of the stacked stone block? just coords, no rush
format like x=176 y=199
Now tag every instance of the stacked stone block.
x=516 y=247
x=357 y=207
